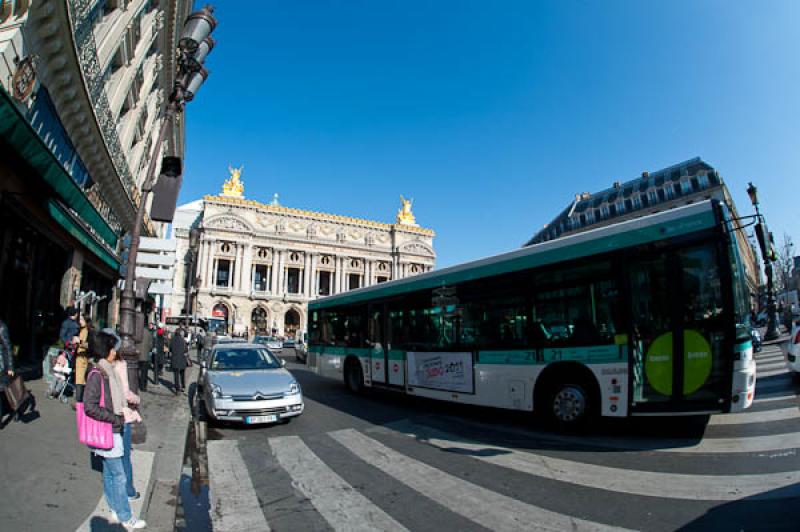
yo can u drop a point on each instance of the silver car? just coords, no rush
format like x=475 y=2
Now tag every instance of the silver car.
x=272 y=343
x=247 y=383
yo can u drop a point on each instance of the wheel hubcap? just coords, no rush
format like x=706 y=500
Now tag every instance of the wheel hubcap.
x=569 y=404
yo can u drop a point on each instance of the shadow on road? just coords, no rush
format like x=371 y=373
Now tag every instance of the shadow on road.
x=493 y=426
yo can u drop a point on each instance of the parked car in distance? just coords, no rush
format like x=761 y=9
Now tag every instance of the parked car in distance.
x=755 y=336
x=301 y=351
x=247 y=383
x=272 y=343
x=289 y=343
x=793 y=352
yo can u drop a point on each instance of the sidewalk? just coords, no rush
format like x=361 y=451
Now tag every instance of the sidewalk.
x=48 y=483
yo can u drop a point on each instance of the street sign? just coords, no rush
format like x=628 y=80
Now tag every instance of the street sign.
x=156 y=259
x=160 y=274
x=160 y=288
x=147 y=243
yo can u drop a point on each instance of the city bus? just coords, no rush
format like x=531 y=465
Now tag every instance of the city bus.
x=649 y=316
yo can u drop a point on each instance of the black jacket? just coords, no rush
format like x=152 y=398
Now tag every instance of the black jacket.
x=91 y=401
x=178 y=349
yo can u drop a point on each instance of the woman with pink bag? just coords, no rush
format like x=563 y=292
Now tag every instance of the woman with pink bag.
x=104 y=401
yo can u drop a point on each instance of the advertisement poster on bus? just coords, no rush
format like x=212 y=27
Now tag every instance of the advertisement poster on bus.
x=450 y=372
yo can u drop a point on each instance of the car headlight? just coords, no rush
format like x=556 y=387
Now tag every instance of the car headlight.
x=294 y=389
x=216 y=391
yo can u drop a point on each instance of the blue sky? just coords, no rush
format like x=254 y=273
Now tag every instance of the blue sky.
x=492 y=115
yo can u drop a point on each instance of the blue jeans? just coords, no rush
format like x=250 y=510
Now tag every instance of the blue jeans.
x=126 y=459
x=114 y=488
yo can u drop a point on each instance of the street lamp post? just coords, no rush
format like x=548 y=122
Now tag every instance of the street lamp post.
x=193 y=47
x=762 y=235
x=194 y=237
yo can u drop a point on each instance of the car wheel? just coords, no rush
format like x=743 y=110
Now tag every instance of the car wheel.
x=353 y=376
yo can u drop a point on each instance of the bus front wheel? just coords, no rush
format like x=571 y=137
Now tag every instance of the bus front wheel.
x=353 y=376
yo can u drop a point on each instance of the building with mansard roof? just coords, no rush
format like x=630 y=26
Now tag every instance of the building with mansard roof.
x=258 y=264
x=680 y=184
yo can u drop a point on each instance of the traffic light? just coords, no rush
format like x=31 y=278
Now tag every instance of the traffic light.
x=771 y=253
x=124 y=254
x=166 y=189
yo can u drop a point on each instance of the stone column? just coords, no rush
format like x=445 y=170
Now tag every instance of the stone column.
x=368 y=273
x=281 y=273
x=274 y=273
x=210 y=264
x=312 y=276
x=307 y=275
x=247 y=268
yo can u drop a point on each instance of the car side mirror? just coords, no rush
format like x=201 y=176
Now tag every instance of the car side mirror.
x=283 y=362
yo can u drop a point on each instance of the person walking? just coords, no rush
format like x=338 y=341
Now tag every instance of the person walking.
x=82 y=358
x=69 y=327
x=208 y=343
x=104 y=382
x=180 y=360
x=144 y=347
x=158 y=353
x=6 y=366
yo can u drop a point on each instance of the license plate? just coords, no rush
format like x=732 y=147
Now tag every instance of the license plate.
x=260 y=419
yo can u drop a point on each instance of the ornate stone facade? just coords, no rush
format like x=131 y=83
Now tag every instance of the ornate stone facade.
x=261 y=263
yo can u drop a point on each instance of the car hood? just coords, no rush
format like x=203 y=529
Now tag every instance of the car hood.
x=248 y=382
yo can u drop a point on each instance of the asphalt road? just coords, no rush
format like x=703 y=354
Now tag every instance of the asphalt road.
x=382 y=461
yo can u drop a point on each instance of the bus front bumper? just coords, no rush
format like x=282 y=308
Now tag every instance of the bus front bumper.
x=743 y=390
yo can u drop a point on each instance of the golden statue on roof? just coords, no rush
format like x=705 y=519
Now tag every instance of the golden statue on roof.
x=404 y=215
x=234 y=186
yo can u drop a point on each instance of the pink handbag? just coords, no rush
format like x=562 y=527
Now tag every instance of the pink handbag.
x=97 y=434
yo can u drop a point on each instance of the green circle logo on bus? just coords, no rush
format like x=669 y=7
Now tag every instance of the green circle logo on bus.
x=696 y=362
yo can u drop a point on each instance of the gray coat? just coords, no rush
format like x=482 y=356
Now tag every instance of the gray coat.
x=179 y=351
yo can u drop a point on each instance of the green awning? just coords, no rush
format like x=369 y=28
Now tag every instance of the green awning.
x=17 y=132
x=67 y=222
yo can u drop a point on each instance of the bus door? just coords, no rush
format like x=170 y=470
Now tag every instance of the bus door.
x=377 y=343
x=388 y=365
x=678 y=334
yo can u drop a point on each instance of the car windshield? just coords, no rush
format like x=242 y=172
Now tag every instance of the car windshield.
x=241 y=359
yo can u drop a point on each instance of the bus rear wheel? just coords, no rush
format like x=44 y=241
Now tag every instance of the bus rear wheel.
x=353 y=376
x=570 y=404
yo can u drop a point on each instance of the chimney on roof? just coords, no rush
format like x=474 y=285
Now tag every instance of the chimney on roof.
x=645 y=174
x=585 y=195
x=577 y=197
x=617 y=184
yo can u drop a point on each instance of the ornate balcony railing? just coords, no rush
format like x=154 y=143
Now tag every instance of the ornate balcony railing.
x=83 y=25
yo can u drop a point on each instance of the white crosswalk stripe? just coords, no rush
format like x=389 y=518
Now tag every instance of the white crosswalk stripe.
x=636 y=482
x=772 y=372
x=485 y=507
x=340 y=505
x=234 y=505
x=761 y=416
x=772 y=397
x=771 y=364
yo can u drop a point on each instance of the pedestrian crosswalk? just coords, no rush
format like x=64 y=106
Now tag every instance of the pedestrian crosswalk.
x=499 y=477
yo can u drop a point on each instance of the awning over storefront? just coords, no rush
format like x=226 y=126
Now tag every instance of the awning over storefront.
x=16 y=131
x=63 y=217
